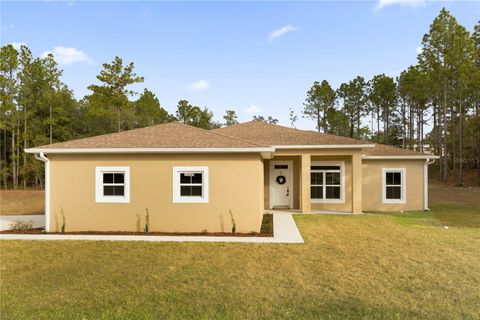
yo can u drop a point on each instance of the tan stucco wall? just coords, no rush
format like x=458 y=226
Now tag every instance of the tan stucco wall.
x=235 y=184
x=372 y=184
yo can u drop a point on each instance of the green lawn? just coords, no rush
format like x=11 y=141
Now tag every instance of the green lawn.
x=374 y=266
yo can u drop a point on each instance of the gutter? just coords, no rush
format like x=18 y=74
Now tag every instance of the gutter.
x=41 y=156
x=425 y=182
x=405 y=157
x=324 y=146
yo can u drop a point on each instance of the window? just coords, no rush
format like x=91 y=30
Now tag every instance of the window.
x=393 y=185
x=112 y=184
x=327 y=182
x=190 y=184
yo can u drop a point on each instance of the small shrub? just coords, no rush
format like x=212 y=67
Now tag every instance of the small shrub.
x=234 y=225
x=20 y=225
x=62 y=213
x=204 y=231
x=147 y=221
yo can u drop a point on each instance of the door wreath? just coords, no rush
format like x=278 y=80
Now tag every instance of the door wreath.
x=281 y=179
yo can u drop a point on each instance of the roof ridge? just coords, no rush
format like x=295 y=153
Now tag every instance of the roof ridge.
x=292 y=129
x=222 y=135
x=238 y=139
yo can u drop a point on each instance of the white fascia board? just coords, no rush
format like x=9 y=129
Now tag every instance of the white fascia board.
x=149 y=150
x=325 y=146
x=400 y=157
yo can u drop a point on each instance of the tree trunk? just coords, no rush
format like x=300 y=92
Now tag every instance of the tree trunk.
x=418 y=129
x=5 y=146
x=24 y=173
x=444 y=133
x=404 y=136
x=118 y=118
x=385 y=125
x=378 y=125
x=421 y=132
x=372 y=123
x=318 y=120
x=460 y=146
x=51 y=124
x=411 y=129
x=14 y=162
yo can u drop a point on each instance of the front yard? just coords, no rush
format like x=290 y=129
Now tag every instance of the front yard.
x=378 y=266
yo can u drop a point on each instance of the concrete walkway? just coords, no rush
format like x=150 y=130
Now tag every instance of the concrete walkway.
x=37 y=220
x=285 y=231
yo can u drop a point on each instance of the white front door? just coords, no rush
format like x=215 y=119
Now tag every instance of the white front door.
x=281 y=184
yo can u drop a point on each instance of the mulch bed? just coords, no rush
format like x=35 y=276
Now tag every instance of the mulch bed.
x=266 y=231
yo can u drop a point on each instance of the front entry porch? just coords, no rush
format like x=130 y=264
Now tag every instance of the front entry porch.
x=316 y=182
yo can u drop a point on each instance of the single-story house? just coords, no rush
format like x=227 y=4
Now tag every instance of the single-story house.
x=194 y=180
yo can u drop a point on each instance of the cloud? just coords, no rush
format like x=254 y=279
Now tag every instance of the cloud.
x=67 y=56
x=199 y=85
x=408 y=3
x=280 y=32
x=252 y=110
x=18 y=45
x=419 y=50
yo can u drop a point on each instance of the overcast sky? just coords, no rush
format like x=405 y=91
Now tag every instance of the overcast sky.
x=257 y=58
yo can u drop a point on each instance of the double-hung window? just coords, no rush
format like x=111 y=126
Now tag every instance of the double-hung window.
x=190 y=184
x=327 y=182
x=393 y=185
x=112 y=184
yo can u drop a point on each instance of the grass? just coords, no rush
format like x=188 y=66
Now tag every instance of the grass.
x=456 y=215
x=267 y=224
x=381 y=266
x=21 y=202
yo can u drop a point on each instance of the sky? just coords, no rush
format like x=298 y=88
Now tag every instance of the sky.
x=258 y=58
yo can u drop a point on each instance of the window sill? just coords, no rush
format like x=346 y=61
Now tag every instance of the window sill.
x=113 y=200
x=394 y=202
x=339 y=201
x=190 y=200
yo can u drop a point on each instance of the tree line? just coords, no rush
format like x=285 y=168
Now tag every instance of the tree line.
x=441 y=91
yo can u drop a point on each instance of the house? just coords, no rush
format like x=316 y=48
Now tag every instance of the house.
x=192 y=180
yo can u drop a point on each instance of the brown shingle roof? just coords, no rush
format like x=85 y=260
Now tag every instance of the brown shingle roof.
x=168 y=135
x=384 y=150
x=275 y=135
x=253 y=134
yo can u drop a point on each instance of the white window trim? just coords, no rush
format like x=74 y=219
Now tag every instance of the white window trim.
x=342 y=180
x=99 y=197
x=177 y=198
x=403 y=172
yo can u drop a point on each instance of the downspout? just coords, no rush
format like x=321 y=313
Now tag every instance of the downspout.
x=425 y=184
x=41 y=156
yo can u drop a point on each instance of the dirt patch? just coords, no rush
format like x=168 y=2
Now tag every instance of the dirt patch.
x=22 y=202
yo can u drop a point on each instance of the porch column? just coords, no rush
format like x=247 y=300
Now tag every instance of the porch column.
x=305 y=202
x=357 y=182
